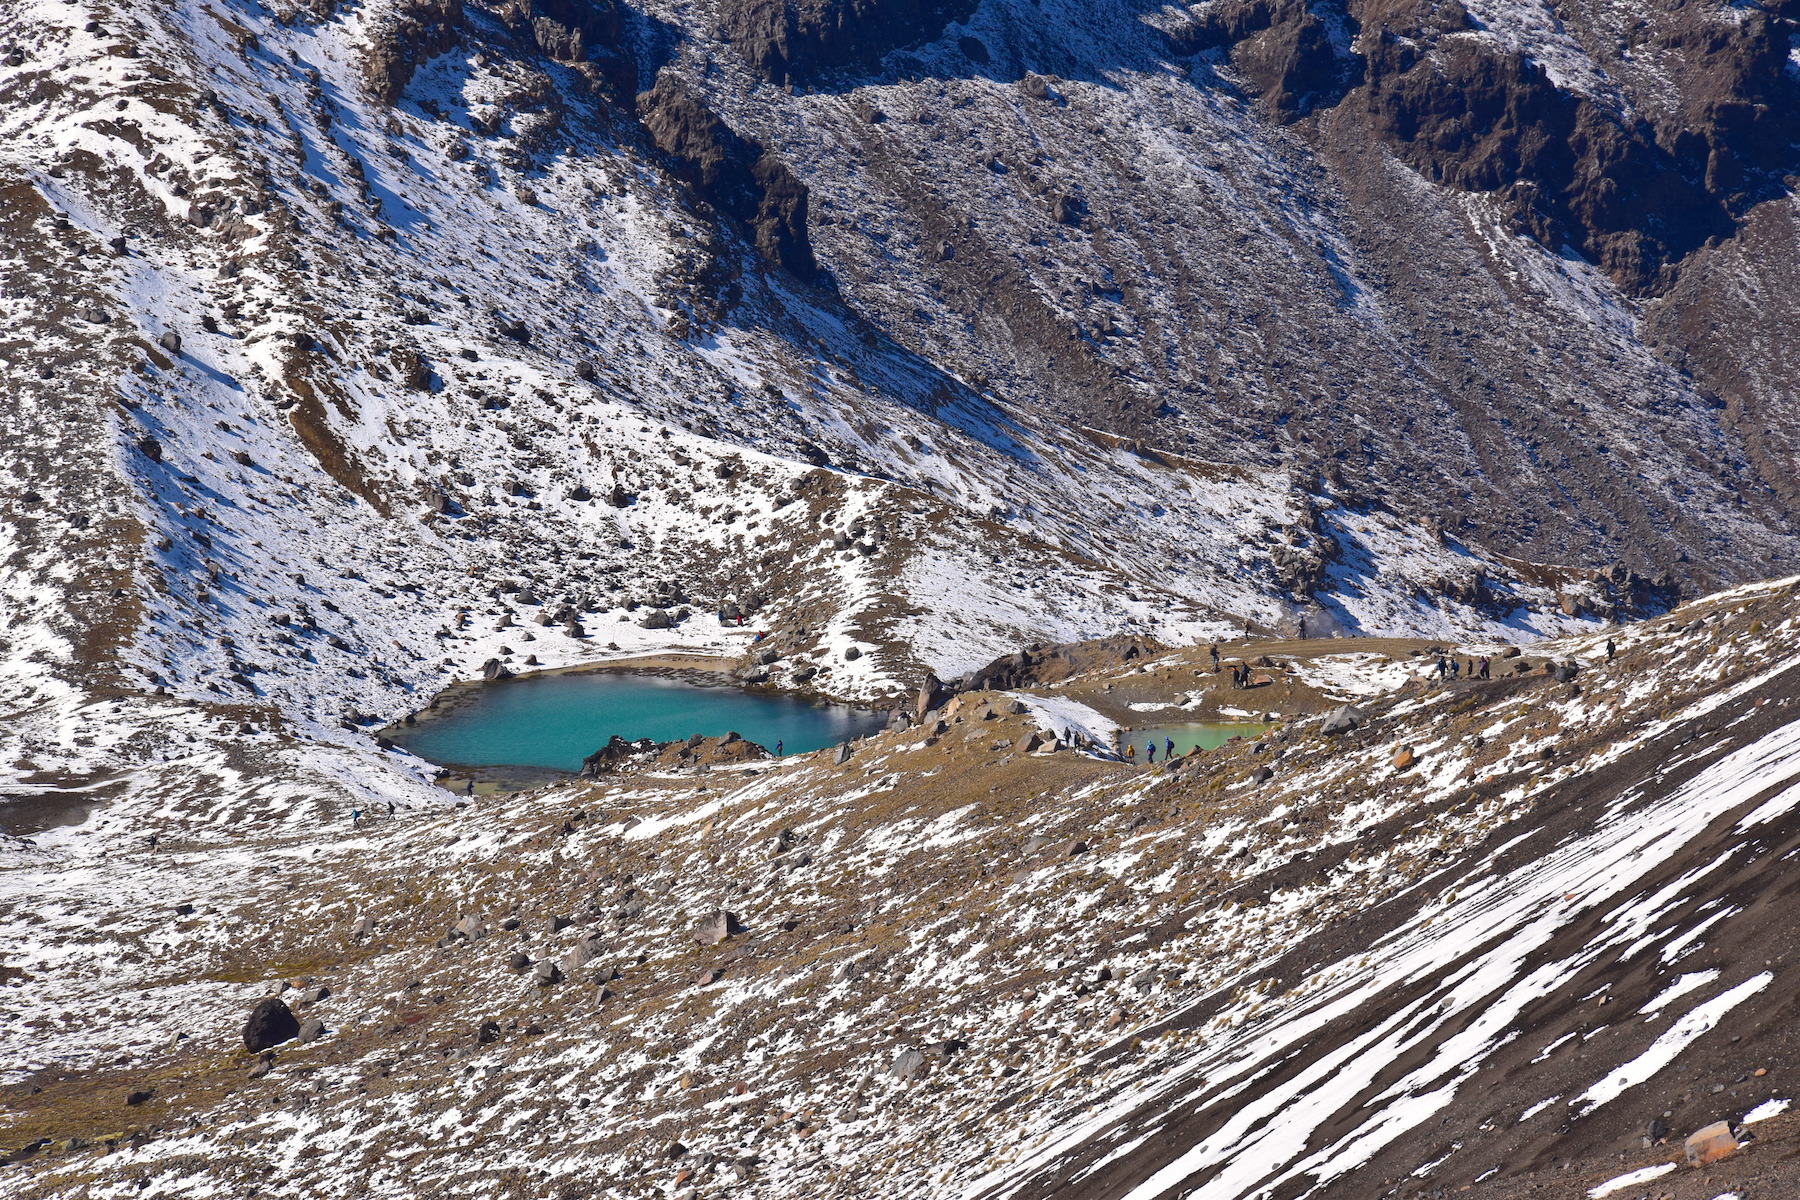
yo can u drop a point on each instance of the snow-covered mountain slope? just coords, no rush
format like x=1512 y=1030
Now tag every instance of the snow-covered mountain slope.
x=336 y=372
x=1489 y=943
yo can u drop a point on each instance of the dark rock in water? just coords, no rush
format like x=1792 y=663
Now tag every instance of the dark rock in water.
x=603 y=760
x=907 y=1064
x=715 y=927
x=733 y=173
x=270 y=1023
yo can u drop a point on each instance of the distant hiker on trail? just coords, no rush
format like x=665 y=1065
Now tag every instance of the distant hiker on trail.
x=1484 y=666
x=1150 y=751
x=1443 y=668
x=153 y=841
x=1168 y=748
x=1611 y=650
x=777 y=747
x=390 y=808
x=1214 y=651
x=1303 y=627
x=1131 y=753
x=355 y=817
x=1456 y=668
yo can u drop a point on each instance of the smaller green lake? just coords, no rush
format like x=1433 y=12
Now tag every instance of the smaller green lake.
x=556 y=721
x=1206 y=735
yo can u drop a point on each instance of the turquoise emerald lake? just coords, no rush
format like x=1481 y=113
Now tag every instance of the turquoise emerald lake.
x=556 y=721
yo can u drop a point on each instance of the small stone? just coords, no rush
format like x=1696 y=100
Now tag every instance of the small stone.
x=715 y=927
x=269 y=1024
x=556 y=924
x=262 y=1067
x=907 y=1064
x=1404 y=758
x=137 y=1098
x=364 y=927
x=1075 y=847
x=470 y=927
x=842 y=754
x=1261 y=775
x=310 y=1030
x=546 y=973
x=488 y=1033
x=518 y=962
x=708 y=977
x=170 y=341
x=1710 y=1144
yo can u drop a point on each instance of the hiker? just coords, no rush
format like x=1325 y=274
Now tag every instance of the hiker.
x=1131 y=753
x=153 y=841
x=390 y=808
x=777 y=747
x=1168 y=748
x=1443 y=668
x=1610 y=649
x=1456 y=668
x=1303 y=627
x=1150 y=751
x=355 y=817
x=1214 y=651
x=1484 y=666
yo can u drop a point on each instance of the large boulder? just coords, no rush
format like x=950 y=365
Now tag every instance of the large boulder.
x=715 y=927
x=269 y=1024
x=1342 y=720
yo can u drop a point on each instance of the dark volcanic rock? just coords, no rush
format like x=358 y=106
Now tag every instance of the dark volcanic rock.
x=792 y=41
x=270 y=1023
x=733 y=173
x=414 y=32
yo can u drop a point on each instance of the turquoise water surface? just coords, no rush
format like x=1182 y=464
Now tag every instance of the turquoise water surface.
x=558 y=720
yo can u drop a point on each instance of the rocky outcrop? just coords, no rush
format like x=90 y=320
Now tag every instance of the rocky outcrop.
x=1635 y=195
x=402 y=37
x=794 y=41
x=736 y=175
x=566 y=30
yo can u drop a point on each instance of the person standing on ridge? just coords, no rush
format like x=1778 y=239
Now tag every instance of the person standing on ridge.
x=777 y=747
x=1611 y=650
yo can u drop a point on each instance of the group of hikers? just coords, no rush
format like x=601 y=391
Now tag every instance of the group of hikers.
x=1150 y=751
x=1240 y=671
x=1452 y=667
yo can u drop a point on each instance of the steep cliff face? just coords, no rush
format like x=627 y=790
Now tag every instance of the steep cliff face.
x=1636 y=191
x=734 y=174
x=787 y=42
